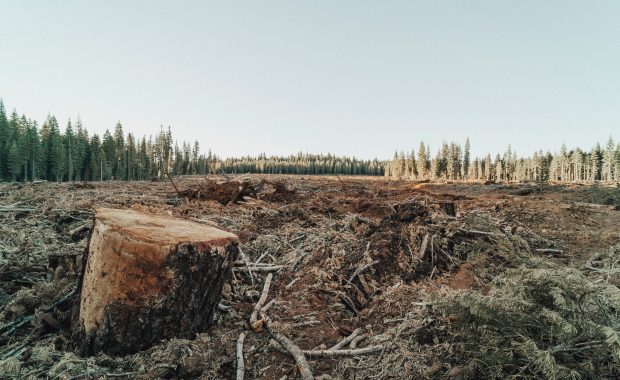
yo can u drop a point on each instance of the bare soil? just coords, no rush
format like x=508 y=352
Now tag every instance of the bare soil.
x=356 y=252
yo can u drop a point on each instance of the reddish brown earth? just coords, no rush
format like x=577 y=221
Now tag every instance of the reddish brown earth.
x=321 y=230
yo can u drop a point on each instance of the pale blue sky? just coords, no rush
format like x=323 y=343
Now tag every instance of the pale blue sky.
x=350 y=77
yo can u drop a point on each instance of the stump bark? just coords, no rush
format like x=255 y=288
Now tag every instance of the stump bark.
x=149 y=277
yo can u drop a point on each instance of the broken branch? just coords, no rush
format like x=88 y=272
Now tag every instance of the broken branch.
x=254 y=323
x=346 y=340
x=240 y=362
x=338 y=353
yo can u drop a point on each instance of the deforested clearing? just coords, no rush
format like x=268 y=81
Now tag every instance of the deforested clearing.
x=335 y=277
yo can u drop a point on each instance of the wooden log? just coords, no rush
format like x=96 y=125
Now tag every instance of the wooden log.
x=149 y=277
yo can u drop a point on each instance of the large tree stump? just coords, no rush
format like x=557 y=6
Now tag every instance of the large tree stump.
x=149 y=277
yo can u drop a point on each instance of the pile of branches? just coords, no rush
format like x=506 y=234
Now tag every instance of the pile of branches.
x=236 y=191
x=552 y=323
x=231 y=191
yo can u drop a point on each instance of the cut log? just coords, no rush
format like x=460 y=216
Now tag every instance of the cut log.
x=149 y=277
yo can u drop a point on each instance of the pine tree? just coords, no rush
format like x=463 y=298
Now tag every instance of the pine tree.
x=132 y=158
x=13 y=159
x=53 y=150
x=597 y=162
x=94 y=161
x=14 y=162
x=422 y=161
x=617 y=163
x=34 y=151
x=24 y=147
x=499 y=168
x=442 y=159
x=109 y=156
x=466 y=159
x=488 y=168
x=69 y=151
x=81 y=147
x=119 y=164
x=608 y=161
x=4 y=138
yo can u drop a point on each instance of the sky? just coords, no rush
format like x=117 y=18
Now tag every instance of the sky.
x=360 y=78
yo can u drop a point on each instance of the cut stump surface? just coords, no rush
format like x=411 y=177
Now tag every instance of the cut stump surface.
x=149 y=277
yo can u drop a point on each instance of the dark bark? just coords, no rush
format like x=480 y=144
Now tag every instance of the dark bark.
x=186 y=305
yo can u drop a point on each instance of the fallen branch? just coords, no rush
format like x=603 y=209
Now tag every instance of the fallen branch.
x=74 y=232
x=330 y=353
x=247 y=265
x=266 y=308
x=361 y=269
x=255 y=324
x=476 y=232
x=337 y=353
x=297 y=238
x=346 y=340
x=298 y=261
x=223 y=308
x=256 y=264
x=595 y=205
x=290 y=284
x=272 y=268
x=10 y=328
x=174 y=185
x=550 y=250
x=312 y=322
x=240 y=363
x=16 y=209
x=357 y=339
x=293 y=350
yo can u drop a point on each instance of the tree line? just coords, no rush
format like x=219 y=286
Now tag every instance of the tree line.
x=47 y=152
x=303 y=163
x=32 y=152
x=453 y=162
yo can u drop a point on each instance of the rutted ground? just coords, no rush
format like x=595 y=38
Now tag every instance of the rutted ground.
x=355 y=253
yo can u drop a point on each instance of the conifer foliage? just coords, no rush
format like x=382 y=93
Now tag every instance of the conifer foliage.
x=55 y=153
x=454 y=163
x=546 y=321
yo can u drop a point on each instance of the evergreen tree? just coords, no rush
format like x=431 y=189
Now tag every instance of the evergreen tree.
x=34 y=151
x=109 y=157
x=80 y=153
x=119 y=163
x=608 y=161
x=94 y=160
x=69 y=151
x=4 y=140
x=466 y=159
x=422 y=161
x=14 y=162
x=53 y=150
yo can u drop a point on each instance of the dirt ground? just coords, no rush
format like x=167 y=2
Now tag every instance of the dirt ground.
x=352 y=252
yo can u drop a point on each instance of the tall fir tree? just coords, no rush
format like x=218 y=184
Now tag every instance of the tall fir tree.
x=4 y=140
x=466 y=160
x=119 y=166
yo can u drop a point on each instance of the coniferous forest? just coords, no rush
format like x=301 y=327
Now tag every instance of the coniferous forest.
x=55 y=152
x=453 y=162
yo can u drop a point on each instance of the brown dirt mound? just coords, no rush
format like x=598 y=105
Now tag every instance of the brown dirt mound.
x=224 y=193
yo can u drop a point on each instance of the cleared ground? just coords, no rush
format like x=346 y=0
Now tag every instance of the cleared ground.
x=410 y=264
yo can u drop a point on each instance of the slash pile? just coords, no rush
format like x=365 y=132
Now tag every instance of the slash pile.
x=338 y=278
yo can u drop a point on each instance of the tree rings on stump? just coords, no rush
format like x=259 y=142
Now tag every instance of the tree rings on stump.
x=149 y=277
